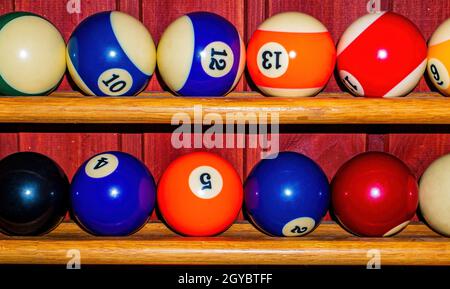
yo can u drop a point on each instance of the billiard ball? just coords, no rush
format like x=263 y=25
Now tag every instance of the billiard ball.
x=32 y=55
x=439 y=58
x=112 y=194
x=291 y=54
x=374 y=194
x=34 y=194
x=201 y=54
x=381 y=55
x=111 y=53
x=434 y=195
x=199 y=194
x=287 y=195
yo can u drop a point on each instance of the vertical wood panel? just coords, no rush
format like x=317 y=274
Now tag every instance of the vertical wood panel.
x=132 y=7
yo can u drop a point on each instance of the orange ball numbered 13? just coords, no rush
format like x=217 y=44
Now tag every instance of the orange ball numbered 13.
x=200 y=194
x=291 y=54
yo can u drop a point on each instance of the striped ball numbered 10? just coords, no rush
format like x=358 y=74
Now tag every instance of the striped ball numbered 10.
x=111 y=53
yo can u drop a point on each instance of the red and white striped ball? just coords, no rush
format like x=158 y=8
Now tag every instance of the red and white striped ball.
x=381 y=55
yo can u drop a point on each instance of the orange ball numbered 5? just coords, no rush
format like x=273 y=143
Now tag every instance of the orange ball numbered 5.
x=291 y=54
x=200 y=194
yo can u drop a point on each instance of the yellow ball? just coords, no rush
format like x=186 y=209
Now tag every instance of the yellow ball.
x=439 y=58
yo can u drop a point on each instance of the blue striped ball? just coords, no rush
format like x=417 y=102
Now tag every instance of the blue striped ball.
x=201 y=54
x=111 y=53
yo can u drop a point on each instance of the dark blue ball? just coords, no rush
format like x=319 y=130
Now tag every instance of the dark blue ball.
x=112 y=194
x=287 y=195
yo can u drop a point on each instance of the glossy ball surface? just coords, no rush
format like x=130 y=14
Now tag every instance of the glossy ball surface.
x=291 y=54
x=200 y=194
x=439 y=58
x=201 y=54
x=113 y=194
x=34 y=194
x=434 y=195
x=381 y=55
x=111 y=53
x=374 y=194
x=32 y=55
x=287 y=196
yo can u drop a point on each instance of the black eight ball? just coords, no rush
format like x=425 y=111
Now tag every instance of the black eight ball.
x=34 y=194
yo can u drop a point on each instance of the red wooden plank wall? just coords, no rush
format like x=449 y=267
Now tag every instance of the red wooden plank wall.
x=330 y=146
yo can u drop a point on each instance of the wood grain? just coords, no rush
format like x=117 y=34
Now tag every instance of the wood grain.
x=156 y=109
x=241 y=244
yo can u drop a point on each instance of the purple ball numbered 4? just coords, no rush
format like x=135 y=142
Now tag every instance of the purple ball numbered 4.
x=201 y=54
x=112 y=194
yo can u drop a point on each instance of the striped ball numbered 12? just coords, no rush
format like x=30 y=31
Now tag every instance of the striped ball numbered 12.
x=291 y=54
x=381 y=55
x=201 y=54
x=439 y=58
x=32 y=55
x=111 y=53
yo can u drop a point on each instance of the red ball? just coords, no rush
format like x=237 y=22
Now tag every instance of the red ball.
x=374 y=194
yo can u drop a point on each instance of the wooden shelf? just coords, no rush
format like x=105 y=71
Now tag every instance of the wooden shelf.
x=336 y=108
x=241 y=244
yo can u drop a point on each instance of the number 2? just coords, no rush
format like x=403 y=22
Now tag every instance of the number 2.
x=299 y=230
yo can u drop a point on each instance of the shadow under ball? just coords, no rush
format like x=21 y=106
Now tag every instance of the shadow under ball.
x=33 y=194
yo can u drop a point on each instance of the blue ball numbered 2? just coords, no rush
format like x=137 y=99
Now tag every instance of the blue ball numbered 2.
x=201 y=54
x=111 y=53
x=287 y=195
